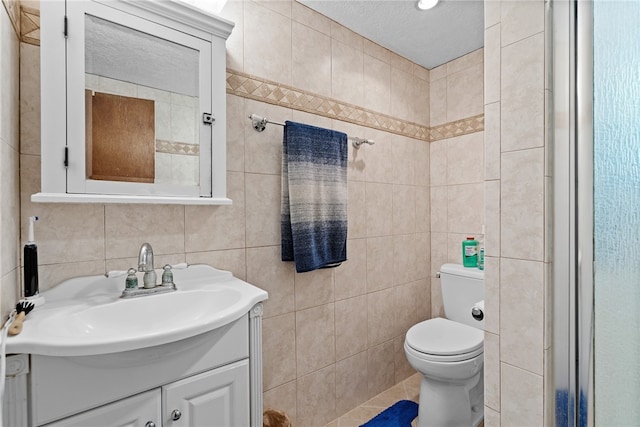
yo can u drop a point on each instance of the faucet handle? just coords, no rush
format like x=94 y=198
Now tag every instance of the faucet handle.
x=167 y=278
x=167 y=275
x=131 y=282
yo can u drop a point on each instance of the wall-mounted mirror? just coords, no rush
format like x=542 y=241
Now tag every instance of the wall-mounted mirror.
x=142 y=109
x=135 y=108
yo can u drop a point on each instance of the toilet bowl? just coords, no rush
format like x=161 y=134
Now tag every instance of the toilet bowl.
x=448 y=352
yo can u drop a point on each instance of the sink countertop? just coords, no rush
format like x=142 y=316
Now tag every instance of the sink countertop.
x=85 y=315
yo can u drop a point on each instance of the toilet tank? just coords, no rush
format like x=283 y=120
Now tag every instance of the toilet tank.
x=462 y=287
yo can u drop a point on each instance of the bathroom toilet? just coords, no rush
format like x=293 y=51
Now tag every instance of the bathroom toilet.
x=449 y=353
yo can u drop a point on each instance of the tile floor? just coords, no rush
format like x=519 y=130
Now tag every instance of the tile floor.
x=408 y=389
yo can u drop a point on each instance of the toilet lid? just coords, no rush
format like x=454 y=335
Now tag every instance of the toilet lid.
x=444 y=337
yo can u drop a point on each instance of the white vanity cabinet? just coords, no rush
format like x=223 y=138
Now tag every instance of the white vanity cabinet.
x=200 y=381
x=187 y=358
x=215 y=398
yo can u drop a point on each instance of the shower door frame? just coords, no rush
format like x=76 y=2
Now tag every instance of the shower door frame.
x=573 y=260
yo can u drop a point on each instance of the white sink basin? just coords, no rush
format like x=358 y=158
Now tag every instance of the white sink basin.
x=86 y=316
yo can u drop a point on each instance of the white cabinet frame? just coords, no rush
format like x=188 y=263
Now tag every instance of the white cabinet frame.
x=62 y=84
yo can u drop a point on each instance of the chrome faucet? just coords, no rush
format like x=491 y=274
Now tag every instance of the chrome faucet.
x=145 y=264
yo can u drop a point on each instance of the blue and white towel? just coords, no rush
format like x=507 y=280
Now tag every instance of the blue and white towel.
x=314 y=196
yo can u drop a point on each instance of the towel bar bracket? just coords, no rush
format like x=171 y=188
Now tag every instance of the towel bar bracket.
x=357 y=142
x=258 y=123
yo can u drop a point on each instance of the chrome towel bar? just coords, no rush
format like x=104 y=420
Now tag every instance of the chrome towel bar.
x=259 y=123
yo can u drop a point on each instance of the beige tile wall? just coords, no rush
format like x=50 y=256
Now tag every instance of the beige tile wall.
x=457 y=165
x=332 y=338
x=457 y=89
x=9 y=156
x=517 y=186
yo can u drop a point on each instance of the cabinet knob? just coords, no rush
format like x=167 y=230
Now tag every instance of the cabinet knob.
x=150 y=424
x=176 y=414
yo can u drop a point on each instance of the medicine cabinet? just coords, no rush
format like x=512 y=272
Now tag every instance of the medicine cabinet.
x=133 y=103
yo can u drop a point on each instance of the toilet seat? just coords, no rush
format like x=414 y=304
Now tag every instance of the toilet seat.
x=443 y=340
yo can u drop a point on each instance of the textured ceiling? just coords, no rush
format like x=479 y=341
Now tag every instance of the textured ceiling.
x=430 y=38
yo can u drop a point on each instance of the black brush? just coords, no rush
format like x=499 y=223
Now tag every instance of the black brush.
x=22 y=309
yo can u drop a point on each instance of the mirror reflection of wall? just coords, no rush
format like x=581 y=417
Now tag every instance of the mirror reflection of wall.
x=176 y=145
x=125 y=65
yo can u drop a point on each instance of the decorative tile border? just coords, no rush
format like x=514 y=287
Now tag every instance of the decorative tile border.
x=172 y=147
x=260 y=89
x=30 y=26
x=263 y=90
x=457 y=128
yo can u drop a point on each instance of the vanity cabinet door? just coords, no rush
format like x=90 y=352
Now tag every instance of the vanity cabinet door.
x=142 y=410
x=218 y=398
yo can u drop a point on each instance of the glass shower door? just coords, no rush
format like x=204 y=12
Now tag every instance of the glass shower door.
x=616 y=201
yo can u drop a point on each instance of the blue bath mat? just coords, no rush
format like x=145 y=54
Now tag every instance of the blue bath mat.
x=400 y=414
